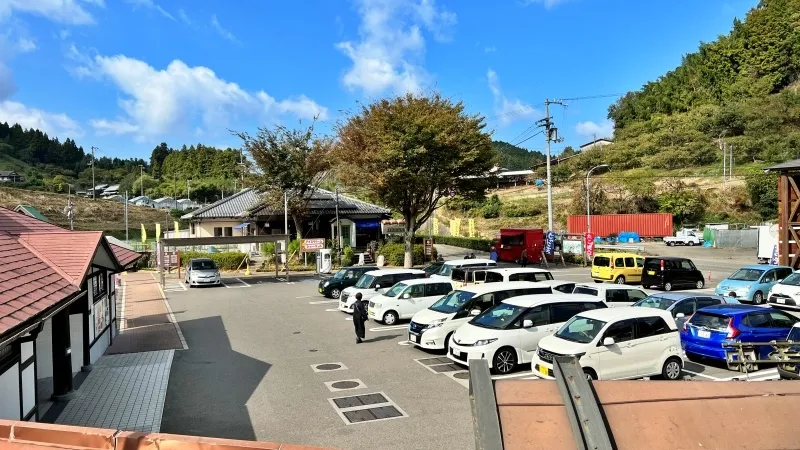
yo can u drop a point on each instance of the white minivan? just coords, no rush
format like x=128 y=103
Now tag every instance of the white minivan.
x=517 y=274
x=431 y=328
x=616 y=343
x=446 y=271
x=613 y=294
x=407 y=298
x=374 y=283
x=508 y=334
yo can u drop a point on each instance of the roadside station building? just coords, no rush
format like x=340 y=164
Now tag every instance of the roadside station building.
x=58 y=304
x=246 y=213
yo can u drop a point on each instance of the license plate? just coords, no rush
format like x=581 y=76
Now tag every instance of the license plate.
x=651 y=272
x=455 y=352
x=543 y=371
x=704 y=334
x=413 y=338
x=780 y=300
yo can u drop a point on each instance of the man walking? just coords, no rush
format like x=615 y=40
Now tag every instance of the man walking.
x=359 y=317
x=523 y=258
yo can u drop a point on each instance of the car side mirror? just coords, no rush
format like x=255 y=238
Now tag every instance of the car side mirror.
x=377 y=287
x=475 y=312
x=406 y=295
x=608 y=342
x=680 y=315
x=527 y=323
x=779 y=280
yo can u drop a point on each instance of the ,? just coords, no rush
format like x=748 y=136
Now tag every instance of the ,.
x=752 y=283
x=615 y=343
x=508 y=334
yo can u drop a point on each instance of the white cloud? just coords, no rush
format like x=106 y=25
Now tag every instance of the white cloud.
x=185 y=17
x=604 y=129
x=508 y=111
x=222 y=31
x=52 y=124
x=489 y=49
x=156 y=102
x=71 y=12
x=149 y=4
x=391 y=46
x=547 y=3
x=64 y=34
x=25 y=45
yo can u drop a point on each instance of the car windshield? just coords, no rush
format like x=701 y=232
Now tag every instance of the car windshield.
x=601 y=261
x=395 y=290
x=445 y=270
x=365 y=281
x=710 y=321
x=340 y=274
x=746 y=275
x=498 y=317
x=792 y=280
x=459 y=275
x=432 y=268
x=452 y=302
x=655 y=301
x=580 y=329
x=585 y=290
x=203 y=265
x=794 y=334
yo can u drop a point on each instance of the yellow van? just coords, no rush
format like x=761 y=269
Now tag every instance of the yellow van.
x=619 y=268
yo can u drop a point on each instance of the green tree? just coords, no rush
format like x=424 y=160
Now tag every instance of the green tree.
x=763 y=190
x=157 y=157
x=411 y=151
x=685 y=203
x=291 y=162
x=149 y=183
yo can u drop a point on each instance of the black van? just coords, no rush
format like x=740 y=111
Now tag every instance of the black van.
x=346 y=276
x=670 y=272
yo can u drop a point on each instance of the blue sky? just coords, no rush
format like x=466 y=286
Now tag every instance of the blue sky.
x=125 y=75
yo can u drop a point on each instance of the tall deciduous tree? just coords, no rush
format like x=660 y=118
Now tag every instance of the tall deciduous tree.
x=411 y=151
x=291 y=162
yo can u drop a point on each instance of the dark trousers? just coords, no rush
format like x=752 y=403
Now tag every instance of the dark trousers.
x=523 y=261
x=360 y=329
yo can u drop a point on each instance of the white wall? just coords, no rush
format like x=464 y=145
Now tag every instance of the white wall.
x=99 y=347
x=76 y=341
x=9 y=393
x=28 y=389
x=44 y=351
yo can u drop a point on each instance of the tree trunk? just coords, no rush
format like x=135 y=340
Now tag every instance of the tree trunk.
x=409 y=240
x=298 y=226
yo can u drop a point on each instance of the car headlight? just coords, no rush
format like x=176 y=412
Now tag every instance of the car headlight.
x=484 y=342
x=376 y=305
x=436 y=323
x=747 y=287
x=326 y=284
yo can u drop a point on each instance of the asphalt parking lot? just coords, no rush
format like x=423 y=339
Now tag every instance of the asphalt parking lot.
x=274 y=360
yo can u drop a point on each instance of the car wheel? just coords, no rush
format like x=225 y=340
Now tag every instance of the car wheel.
x=667 y=286
x=505 y=360
x=670 y=244
x=691 y=243
x=336 y=293
x=758 y=298
x=672 y=369
x=620 y=279
x=598 y=281
x=390 y=318
x=590 y=374
x=700 y=284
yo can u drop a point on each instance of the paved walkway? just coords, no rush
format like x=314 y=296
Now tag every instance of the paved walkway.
x=146 y=323
x=124 y=392
x=127 y=386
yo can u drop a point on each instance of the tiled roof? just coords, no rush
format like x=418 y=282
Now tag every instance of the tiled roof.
x=234 y=206
x=69 y=251
x=250 y=203
x=28 y=285
x=124 y=256
x=788 y=165
x=15 y=223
